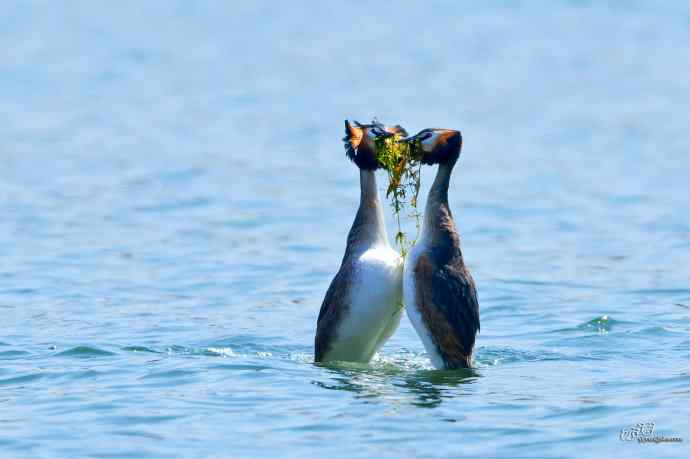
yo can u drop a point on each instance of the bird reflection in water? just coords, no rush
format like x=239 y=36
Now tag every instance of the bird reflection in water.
x=430 y=387
x=421 y=388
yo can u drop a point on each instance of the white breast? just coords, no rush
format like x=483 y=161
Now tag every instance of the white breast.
x=375 y=306
x=410 y=300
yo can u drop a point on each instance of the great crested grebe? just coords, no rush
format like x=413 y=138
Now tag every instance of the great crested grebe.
x=439 y=292
x=363 y=305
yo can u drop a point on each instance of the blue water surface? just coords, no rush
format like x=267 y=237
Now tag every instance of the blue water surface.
x=174 y=200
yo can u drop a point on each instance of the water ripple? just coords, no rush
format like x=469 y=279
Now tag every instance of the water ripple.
x=13 y=354
x=85 y=352
x=21 y=380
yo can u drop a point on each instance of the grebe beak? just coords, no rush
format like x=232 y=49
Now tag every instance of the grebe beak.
x=411 y=138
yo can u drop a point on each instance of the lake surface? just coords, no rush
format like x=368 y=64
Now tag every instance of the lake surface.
x=174 y=201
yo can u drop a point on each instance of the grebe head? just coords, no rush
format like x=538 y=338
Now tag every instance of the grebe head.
x=360 y=141
x=395 y=129
x=437 y=146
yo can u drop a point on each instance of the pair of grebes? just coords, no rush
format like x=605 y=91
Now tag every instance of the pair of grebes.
x=363 y=305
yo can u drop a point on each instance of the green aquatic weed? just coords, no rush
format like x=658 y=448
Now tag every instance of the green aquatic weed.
x=404 y=171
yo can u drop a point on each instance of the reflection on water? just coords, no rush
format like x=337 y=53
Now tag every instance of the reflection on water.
x=361 y=379
x=431 y=387
x=422 y=388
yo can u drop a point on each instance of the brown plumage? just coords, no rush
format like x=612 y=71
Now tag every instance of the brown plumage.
x=440 y=293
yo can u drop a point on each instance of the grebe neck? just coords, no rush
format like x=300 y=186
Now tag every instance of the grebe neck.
x=369 y=227
x=439 y=227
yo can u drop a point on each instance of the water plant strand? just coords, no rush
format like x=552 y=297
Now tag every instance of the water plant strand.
x=404 y=171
